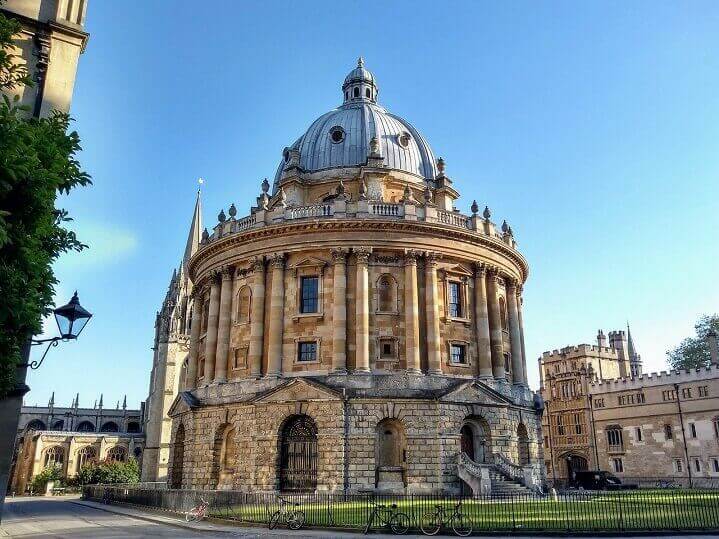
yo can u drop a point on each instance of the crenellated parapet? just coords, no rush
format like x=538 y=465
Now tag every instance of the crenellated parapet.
x=661 y=378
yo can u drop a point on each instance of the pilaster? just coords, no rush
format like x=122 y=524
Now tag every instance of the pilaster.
x=515 y=335
x=481 y=315
x=495 y=323
x=362 y=310
x=195 y=328
x=411 y=312
x=212 y=323
x=339 y=311
x=223 y=331
x=277 y=312
x=434 y=355
x=257 y=318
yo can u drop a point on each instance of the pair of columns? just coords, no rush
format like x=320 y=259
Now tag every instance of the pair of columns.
x=490 y=342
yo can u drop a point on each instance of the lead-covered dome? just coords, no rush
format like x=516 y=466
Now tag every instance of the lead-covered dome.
x=342 y=137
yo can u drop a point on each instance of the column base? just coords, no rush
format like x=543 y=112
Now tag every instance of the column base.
x=219 y=381
x=362 y=371
x=272 y=375
x=414 y=371
x=435 y=372
x=340 y=370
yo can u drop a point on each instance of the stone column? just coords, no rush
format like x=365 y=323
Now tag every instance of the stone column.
x=257 y=318
x=277 y=315
x=481 y=316
x=520 y=301
x=411 y=313
x=223 y=327
x=196 y=323
x=434 y=355
x=362 y=311
x=339 y=311
x=515 y=334
x=495 y=324
x=212 y=322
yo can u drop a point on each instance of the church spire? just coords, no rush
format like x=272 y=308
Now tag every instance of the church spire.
x=51 y=402
x=195 y=235
x=630 y=343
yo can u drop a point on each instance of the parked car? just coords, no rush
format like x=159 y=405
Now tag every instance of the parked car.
x=599 y=480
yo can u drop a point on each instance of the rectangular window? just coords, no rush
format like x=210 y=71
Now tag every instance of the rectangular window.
x=455 y=300
x=458 y=354
x=669 y=395
x=618 y=465
x=687 y=393
x=678 y=466
x=599 y=403
x=546 y=444
x=387 y=349
x=307 y=351
x=668 y=434
x=715 y=421
x=638 y=432
x=640 y=398
x=310 y=294
x=697 y=465
x=703 y=391
x=715 y=464
x=693 y=430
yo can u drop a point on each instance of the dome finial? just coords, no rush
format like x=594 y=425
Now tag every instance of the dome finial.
x=360 y=62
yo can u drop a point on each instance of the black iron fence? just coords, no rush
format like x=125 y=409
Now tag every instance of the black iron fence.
x=663 y=482
x=576 y=511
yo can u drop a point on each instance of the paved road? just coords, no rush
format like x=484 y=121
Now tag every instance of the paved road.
x=30 y=518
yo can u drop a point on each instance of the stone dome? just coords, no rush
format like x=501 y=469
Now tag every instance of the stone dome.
x=341 y=137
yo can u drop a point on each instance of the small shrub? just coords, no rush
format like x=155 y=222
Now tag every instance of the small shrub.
x=109 y=472
x=51 y=473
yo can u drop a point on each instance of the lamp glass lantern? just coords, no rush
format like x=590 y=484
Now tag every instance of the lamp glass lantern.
x=72 y=318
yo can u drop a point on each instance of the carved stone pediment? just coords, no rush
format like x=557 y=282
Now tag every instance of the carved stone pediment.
x=310 y=262
x=299 y=389
x=184 y=402
x=474 y=392
x=458 y=270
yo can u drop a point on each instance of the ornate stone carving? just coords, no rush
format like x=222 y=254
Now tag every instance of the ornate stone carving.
x=432 y=258
x=480 y=269
x=386 y=259
x=362 y=254
x=277 y=260
x=339 y=255
x=410 y=257
x=257 y=263
x=227 y=272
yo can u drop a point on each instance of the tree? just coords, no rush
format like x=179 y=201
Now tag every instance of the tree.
x=693 y=352
x=37 y=161
x=50 y=473
x=109 y=472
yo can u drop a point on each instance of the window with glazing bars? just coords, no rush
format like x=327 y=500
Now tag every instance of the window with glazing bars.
x=310 y=294
x=455 y=300
x=458 y=353
x=307 y=351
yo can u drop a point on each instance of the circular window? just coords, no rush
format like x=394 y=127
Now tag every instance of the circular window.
x=403 y=139
x=337 y=134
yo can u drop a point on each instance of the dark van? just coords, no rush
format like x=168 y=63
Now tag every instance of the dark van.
x=599 y=480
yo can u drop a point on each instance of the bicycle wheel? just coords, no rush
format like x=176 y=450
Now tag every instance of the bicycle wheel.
x=399 y=524
x=461 y=525
x=430 y=523
x=295 y=519
x=274 y=520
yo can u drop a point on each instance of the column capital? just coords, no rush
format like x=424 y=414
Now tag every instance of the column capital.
x=480 y=269
x=257 y=263
x=362 y=254
x=410 y=257
x=432 y=258
x=511 y=284
x=277 y=260
x=215 y=276
x=227 y=272
x=339 y=255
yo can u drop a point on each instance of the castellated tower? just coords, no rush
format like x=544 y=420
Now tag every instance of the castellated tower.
x=171 y=345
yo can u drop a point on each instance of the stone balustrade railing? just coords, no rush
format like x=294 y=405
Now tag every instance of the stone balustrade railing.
x=361 y=209
x=471 y=466
x=527 y=475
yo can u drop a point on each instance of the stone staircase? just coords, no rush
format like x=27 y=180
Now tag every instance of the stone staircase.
x=501 y=479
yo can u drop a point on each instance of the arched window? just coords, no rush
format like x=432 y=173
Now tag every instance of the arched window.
x=35 y=424
x=523 y=444
x=205 y=316
x=109 y=426
x=244 y=298
x=178 y=458
x=386 y=294
x=356 y=92
x=614 y=438
x=85 y=455
x=54 y=456
x=367 y=92
x=503 y=313
x=391 y=451
x=298 y=454
x=58 y=425
x=117 y=454
x=224 y=454
x=85 y=426
x=133 y=427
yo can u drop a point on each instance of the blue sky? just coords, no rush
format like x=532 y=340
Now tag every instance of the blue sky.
x=592 y=127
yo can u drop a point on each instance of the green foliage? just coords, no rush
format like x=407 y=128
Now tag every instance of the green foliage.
x=51 y=473
x=109 y=472
x=693 y=352
x=37 y=161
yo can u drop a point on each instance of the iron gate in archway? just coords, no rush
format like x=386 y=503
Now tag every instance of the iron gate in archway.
x=298 y=455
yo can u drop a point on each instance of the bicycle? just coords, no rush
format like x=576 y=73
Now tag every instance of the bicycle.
x=666 y=484
x=397 y=521
x=198 y=512
x=432 y=521
x=293 y=518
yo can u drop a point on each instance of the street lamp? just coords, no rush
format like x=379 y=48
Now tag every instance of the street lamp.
x=71 y=320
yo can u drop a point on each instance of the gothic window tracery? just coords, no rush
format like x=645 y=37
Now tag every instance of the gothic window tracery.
x=54 y=456
x=117 y=454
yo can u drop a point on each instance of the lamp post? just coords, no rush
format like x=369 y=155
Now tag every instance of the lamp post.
x=71 y=320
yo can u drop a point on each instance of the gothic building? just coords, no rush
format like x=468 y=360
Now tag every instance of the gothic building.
x=353 y=332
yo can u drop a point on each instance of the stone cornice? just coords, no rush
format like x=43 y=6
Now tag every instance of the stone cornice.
x=353 y=225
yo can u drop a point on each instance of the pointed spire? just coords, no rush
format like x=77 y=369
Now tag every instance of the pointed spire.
x=195 y=236
x=51 y=402
x=77 y=400
x=630 y=343
x=124 y=402
x=100 y=400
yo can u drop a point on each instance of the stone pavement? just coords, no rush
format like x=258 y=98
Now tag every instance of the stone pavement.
x=70 y=517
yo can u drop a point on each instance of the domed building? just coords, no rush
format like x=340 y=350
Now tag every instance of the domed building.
x=353 y=333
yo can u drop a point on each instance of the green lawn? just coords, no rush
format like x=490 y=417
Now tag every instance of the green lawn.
x=637 y=510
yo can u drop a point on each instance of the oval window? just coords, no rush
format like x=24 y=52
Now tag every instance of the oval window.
x=337 y=134
x=404 y=138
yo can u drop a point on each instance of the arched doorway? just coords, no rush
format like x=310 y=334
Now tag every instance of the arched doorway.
x=298 y=455
x=523 y=444
x=178 y=457
x=575 y=463
x=475 y=440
